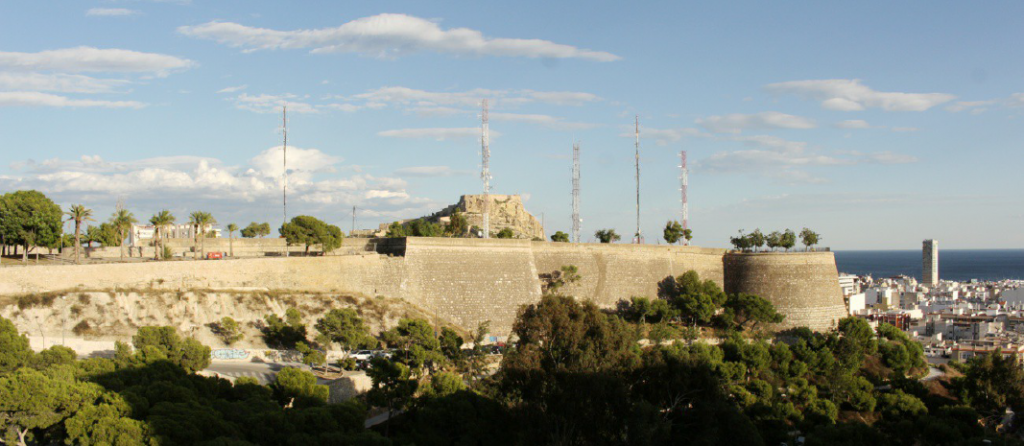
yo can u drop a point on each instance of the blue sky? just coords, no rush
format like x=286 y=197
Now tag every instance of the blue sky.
x=877 y=125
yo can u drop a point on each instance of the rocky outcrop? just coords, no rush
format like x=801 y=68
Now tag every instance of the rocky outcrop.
x=506 y=211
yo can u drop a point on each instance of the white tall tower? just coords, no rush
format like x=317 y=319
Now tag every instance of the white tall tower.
x=684 y=180
x=485 y=171
x=576 y=221
x=639 y=237
x=284 y=147
x=930 y=262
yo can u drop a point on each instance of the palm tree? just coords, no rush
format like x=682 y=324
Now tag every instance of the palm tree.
x=78 y=214
x=201 y=220
x=160 y=221
x=231 y=237
x=123 y=221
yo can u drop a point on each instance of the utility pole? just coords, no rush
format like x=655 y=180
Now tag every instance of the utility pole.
x=639 y=236
x=284 y=128
x=576 y=221
x=485 y=171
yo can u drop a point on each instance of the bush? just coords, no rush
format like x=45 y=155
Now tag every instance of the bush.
x=82 y=329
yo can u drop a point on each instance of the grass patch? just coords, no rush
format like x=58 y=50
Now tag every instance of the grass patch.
x=26 y=301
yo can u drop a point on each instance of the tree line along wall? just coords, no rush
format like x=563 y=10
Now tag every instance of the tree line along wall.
x=467 y=281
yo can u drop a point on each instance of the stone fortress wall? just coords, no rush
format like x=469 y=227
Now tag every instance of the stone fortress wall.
x=467 y=281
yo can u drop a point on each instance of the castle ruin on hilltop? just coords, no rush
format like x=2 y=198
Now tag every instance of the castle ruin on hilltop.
x=507 y=211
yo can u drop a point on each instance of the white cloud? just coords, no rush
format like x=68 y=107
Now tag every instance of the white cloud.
x=234 y=89
x=563 y=97
x=972 y=106
x=905 y=129
x=853 y=124
x=787 y=161
x=737 y=123
x=851 y=95
x=388 y=35
x=548 y=121
x=199 y=182
x=411 y=96
x=439 y=134
x=63 y=83
x=429 y=171
x=37 y=99
x=267 y=103
x=88 y=59
x=110 y=12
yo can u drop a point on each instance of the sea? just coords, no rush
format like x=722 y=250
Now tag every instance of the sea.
x=960 y=265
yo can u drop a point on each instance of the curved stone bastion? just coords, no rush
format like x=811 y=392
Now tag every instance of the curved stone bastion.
x=803 y=285
x=468 y=281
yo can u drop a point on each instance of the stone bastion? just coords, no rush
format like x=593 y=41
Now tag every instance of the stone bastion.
x=803 y=285
x=467 y=281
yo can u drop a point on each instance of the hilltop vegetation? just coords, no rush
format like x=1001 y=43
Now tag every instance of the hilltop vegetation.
x=576 y=374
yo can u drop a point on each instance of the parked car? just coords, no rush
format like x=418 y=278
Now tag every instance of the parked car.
x=362 y=355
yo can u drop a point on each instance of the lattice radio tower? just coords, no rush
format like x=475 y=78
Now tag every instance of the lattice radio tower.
x=683 y=183
x=639 y=235
x=576 y=220
x=485 y=171
x=284 y=147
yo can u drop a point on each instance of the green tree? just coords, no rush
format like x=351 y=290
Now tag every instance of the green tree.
x=505 y=233
x=457 y=225
x=992 y=383
x=393 y=388
x=122 y=220
x=284 y=333
x=607 y=235
x=14 y=347
x=160 y=221
x=415 y=338
x=774 y=240
x=31 y=401
x=256 y=230
x=107 y=422
x=311 y=356
x=560 y=237
x=200 y=221
x=78 y=214
x=757 y=239
x=788 y=240
x=450 y=344
x=809 y=238
x=29 y=219
x=229 y=330
x=309 y=231
x=105 y=235
x=673 y=232
x=299 y=388
x=346 y=328
x=696 y=301
x=231 y=238
x=397 y=230
x=189 y=354
x=750 y=311
x=443 y=384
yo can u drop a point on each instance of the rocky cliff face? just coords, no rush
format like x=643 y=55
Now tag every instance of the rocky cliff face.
x=506 y=211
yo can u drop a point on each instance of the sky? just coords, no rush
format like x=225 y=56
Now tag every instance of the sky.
x=875 y=124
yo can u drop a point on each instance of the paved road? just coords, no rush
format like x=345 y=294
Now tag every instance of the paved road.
x=933 y=374
x=264 y=372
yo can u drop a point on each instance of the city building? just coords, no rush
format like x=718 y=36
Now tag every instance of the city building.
x=930 y=262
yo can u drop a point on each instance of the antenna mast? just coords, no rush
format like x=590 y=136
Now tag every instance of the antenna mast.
x=284 y=129
x=684 y=182
x=576 y=221
x=353 y=221
x=639 y=236
x=485 y=172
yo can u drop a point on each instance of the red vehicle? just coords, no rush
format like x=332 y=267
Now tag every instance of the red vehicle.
x=214 y=255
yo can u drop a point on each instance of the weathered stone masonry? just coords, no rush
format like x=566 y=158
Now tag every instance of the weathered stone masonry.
x=467 y=281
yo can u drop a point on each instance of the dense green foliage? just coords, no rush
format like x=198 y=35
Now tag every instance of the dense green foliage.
x=674 y=233
x=29 y=219
x=309 y=231
x=560 y=237
x=607 y=235
x=255 y=230
x=505 y=233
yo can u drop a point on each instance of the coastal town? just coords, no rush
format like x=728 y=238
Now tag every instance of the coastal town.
x=953 y=320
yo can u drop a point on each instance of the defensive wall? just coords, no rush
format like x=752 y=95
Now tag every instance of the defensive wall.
x=803 y=285
x=467 y=281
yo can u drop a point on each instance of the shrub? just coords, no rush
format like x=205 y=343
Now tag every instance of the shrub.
x=82 y=329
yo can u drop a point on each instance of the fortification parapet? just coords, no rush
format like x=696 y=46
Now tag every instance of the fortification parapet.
x=803 y=285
